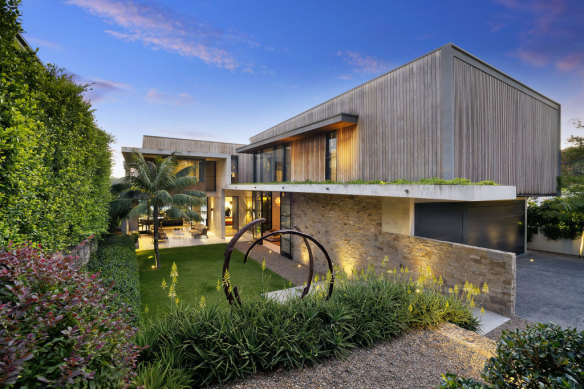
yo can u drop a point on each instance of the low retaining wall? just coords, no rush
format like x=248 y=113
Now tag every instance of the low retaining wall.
x=81 y=252
x=562 y=246
x=350 y=228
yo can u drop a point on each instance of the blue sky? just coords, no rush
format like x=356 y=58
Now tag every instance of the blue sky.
x=225 y=70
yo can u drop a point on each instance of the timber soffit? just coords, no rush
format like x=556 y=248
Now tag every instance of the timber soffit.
x=337 y=121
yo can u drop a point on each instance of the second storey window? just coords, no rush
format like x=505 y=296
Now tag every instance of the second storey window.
x=272 y=164
x=234 y=169
x=331 y=156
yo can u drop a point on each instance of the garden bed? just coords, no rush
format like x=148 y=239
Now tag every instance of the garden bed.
x=209 y=344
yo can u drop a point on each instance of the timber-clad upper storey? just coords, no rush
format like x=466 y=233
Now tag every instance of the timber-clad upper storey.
x=446 y=114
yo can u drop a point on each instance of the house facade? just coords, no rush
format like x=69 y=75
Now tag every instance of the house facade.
x=446 y=114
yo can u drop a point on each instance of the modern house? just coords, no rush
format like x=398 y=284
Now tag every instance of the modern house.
x=446 y=114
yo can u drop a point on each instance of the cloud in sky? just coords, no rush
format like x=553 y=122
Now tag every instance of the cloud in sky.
x=100 y=90
x=160 y=28
x=364 y=64
x=43 y=43
x=154 y=96
x=550 y=32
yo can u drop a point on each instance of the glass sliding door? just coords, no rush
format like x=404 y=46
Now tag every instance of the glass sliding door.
x=285 y=224
x=262 y=208
x=257 y=213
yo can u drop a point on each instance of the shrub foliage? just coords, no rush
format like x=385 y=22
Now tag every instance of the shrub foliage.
x=541 y=356
x=56 y=328
x=54 y=160
x=218 y=343
x=116 y=262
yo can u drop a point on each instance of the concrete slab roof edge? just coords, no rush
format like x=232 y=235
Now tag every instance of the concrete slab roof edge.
x=426 y=192
x=195 y=154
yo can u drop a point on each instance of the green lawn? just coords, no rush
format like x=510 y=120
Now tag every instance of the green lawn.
x=199 y=269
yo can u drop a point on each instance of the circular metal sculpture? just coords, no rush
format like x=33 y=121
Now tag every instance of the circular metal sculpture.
x=232 y=294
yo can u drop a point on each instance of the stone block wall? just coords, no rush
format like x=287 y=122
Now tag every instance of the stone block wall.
x=81 y=252
x=350 y=228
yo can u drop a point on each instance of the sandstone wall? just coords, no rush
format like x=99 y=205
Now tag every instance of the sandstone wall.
x=350 y=228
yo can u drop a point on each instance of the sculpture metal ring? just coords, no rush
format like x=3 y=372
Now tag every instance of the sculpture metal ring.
x=233 y=295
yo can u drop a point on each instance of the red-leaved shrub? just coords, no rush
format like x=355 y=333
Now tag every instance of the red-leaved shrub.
x=56 y=328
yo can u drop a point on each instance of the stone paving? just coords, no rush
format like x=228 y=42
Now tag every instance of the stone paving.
x=290 y=270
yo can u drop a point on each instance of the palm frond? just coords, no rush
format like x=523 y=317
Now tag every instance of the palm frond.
x=139 y=176
x=195 y=193
x=120 y=207
x=119 y=188
x=185 y=172
x=162 y=198
x=181 y=183
x=165 y=174
x=184 y=200
x=139 y=210
x=182 y=213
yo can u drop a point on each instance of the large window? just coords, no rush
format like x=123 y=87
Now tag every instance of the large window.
x=272 y=165
x=197 y=168
x=234 y=169
x=331 y=156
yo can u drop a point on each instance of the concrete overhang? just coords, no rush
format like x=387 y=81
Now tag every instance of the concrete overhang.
x=128 y=151
x=335 y=122
x=426 y=192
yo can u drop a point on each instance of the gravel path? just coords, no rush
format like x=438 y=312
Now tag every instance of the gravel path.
x=513 y=324
x=415 y=360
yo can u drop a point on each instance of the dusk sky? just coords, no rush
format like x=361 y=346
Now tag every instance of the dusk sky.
x=225 y=70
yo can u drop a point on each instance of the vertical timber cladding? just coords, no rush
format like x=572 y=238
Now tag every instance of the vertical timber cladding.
x=503 y=133
x=399 y=132
x=308 y=155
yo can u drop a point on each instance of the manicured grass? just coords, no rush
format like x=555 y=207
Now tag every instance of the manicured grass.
x=199 y=269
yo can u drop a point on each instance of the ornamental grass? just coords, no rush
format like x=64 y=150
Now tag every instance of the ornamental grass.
x=203 y=344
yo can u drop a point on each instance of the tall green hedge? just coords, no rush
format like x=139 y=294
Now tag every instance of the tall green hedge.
x=115 y=260
x=55 y=161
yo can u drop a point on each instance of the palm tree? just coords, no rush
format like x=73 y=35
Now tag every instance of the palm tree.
x=155 y=188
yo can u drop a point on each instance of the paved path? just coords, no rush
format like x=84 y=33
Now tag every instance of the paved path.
x=550 y=288
x=290 y=270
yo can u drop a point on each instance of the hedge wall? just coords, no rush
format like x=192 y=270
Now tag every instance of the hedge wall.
x=115 y=260
x=55 y=162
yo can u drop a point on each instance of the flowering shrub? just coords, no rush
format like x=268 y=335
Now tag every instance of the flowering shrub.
x=55 y=325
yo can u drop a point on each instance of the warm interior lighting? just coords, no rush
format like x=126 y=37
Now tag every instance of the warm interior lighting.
x=531 y=260
x=278 y=201
x=299 y=265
